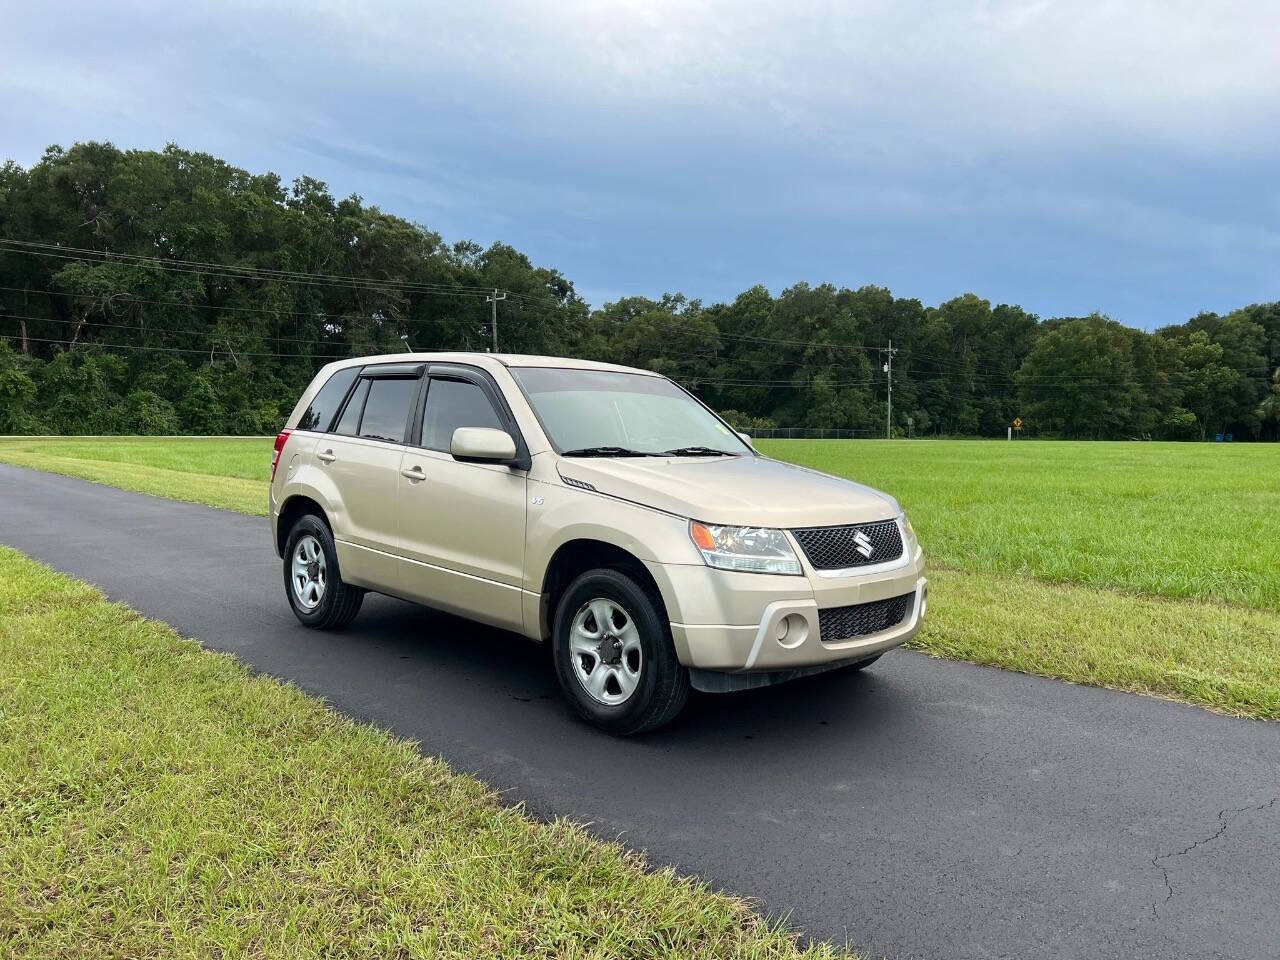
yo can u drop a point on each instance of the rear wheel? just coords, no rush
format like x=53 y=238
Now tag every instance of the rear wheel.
x=613 y=654
x=312 y=580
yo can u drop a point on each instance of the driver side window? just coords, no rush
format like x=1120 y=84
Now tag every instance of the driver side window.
x=452 y=404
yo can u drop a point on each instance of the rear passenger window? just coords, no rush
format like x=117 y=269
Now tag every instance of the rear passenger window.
x=452 y=404
x=325 y=404
x=387 y=408
x=349 y=422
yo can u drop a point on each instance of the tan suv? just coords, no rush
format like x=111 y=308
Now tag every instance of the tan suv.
x=598 y=508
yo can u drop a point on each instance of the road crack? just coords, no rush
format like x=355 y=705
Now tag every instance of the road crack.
x=1225 y=819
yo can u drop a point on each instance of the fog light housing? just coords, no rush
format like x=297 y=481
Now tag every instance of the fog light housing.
x=791 y=631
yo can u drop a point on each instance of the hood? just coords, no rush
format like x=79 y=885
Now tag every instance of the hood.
x=743 y=491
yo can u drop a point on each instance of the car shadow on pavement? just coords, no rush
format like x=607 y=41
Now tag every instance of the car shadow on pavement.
x=505 y=676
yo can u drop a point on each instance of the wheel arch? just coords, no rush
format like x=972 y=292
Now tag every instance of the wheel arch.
x=575 y=557
x=296 y=506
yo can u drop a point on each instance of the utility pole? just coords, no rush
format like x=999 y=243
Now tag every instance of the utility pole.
x=494 y=300
x=888 y=369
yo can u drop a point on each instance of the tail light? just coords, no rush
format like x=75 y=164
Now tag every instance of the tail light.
x=281 y=439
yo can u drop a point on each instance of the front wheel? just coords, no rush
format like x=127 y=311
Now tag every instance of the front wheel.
x=312 y=580
x=613 y=654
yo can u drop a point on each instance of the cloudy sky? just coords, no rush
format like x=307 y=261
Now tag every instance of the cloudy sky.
x=1122 y=156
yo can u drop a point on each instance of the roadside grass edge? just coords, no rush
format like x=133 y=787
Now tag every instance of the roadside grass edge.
x=157 y=798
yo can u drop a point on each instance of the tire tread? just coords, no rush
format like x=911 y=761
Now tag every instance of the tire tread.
x=671 y=689
x=342 y=601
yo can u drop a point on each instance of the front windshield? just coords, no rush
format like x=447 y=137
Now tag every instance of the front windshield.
x=608 y=413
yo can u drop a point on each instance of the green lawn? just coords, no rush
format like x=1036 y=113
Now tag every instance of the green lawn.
x=246 y=458
x=157 y=800
x=227 y=472
x=1170 y=519
x=1145 y=567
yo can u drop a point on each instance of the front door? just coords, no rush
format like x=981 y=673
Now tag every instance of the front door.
x=462 y=524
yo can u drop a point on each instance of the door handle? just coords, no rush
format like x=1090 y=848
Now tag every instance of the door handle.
x=413 y=473
x=328 y=456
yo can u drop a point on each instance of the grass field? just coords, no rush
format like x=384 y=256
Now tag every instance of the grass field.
x=158 y=801
x=1146 y=567
x=1171 y=519
x=225 y=472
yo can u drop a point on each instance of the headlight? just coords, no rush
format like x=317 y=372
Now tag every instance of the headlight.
x=748 y=549
x=906 y=522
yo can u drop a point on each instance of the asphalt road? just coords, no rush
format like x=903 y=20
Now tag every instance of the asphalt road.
x=922 y=809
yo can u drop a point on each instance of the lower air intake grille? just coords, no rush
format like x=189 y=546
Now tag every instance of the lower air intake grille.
x=845 y=623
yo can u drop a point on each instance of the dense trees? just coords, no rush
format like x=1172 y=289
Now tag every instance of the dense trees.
x=1079 y=379
x=1269 y=410
x=162 y=292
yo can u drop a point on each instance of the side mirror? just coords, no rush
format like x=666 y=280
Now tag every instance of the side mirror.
x=745 y=438
x=482 y=445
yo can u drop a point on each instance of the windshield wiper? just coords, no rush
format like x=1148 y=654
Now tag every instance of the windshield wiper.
x=606 y=452
x=697 y=452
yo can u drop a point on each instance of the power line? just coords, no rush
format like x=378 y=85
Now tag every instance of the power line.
x=151 y=348
x=182 y=266
x=321 y=315
x=241 y=272
x=755 y=339
x=223 y=335
x=167 y=331
x=961 y=368
x=201 y=266
x=990 y=380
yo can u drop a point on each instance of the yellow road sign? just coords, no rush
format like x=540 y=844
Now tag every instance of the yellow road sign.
x=1017 y=423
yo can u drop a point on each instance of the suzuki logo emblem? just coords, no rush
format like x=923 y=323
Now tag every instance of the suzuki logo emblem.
x=862 y=543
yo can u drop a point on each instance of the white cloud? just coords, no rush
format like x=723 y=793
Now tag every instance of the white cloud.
x=951 y=75
x=936 y=145
x=875 y=83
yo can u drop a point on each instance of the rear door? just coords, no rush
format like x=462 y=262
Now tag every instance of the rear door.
x=361 y=455
x=463 y=523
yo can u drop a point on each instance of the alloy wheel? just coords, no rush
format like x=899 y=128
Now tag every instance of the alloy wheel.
x=606 y=651
x=308 y=572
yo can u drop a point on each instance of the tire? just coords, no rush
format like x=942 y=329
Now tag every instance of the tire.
x=863 y=664
x=323 y=602
x=624 y=677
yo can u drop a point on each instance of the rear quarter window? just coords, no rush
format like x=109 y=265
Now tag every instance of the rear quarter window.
x=319 y=415
x=349 y=423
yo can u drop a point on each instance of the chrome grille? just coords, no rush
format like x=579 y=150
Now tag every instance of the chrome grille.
x=834 y=548
x=845 y=623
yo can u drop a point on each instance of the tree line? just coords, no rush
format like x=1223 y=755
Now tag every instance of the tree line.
x=170 y=292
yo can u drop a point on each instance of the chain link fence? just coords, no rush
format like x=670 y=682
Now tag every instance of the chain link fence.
x=809 y=433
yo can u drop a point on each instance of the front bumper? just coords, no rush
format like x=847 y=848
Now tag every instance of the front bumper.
x=732 y=621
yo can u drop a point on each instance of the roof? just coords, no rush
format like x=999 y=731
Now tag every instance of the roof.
x=528 y=360
x=489 y=359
